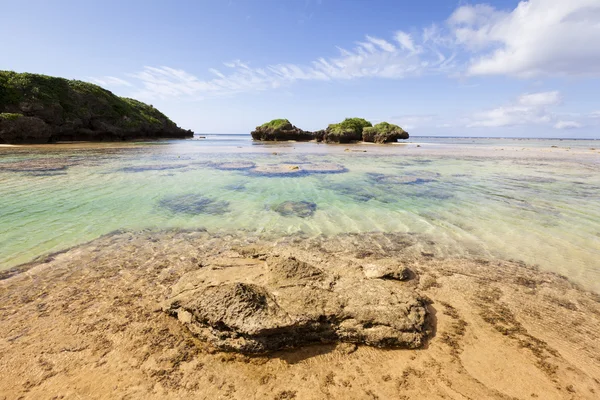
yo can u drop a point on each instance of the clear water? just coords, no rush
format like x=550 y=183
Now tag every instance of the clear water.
x=506 y=198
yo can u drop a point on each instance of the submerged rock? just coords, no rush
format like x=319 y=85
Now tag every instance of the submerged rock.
x=194 y=204
x=411 y=178
x=383 y=132
x=300 y=209
x=280 y=129
x=234 y=165
x=152 y=167
x=43 y=109
x=286 y=303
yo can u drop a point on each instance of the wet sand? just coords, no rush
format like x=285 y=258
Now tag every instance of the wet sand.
x=88 y=323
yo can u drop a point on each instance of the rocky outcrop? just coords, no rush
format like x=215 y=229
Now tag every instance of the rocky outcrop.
x=347 y=131
x=43 y=109
x=383 y=133
x=290 y=303
x=280 y=130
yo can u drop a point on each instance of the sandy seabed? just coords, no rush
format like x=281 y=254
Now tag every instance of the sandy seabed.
x=87 y=323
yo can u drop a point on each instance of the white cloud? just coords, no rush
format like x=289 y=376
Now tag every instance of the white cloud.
x=529 y=108
x=540 y=99
x=109 y=81
x=567 y=125
x=381 y=43
x=405 y=41
x=538 y=37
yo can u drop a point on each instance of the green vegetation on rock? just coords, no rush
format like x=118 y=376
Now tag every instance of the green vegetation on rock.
x=10 y=116
x=77 y=110
x=355 y=125
x=348 y=130
x=276 y=124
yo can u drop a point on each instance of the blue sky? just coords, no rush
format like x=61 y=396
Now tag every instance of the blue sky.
x=435 y=67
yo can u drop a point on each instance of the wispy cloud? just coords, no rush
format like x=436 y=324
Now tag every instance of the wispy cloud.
x=567 y=125
x=372 y=58
x=529 y=108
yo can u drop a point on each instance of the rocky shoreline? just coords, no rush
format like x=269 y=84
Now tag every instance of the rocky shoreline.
x=37 y=109
x=190 y=314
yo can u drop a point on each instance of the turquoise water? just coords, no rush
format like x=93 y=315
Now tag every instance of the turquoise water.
x=490 y=198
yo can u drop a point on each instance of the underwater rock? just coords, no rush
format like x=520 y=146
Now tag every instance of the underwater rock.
x=298 y=304
x=152 y=167
x=411 y=178
x=300 y=169
x=280 y=129
x=38 y=165
x=302 y=209
x=324 y=168
x=194 y=204
x=277 y=170
x=234 y=165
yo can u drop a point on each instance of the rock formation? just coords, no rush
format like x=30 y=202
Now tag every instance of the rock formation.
x=43 y=109
x=383 y=132
x=289 y=303
x=348 y=131
x=280 y=129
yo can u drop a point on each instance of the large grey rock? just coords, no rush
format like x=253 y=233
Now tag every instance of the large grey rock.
x=287 y=303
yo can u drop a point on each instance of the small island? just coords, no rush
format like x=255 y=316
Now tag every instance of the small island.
x=44 y=109
x=350 y=130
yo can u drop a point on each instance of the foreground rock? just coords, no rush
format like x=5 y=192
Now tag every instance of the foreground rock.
x=298 y=304
x=383 y=133
x=44 y=109
x=280 y=130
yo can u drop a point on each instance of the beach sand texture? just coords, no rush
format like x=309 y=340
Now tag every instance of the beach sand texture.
x=88 y=323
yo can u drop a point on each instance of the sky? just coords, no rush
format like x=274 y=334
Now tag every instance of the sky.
x=435 y=67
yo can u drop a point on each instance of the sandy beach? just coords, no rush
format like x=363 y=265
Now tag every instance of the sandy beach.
x=88 y=323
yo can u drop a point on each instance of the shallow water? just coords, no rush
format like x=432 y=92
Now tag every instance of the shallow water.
x=487 y=198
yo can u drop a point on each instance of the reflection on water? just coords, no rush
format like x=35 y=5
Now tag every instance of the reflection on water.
x=534 y=203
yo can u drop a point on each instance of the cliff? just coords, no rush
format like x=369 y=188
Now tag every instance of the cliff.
x=43 y=109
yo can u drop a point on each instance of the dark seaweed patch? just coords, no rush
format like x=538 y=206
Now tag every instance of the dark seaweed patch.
x=432 y=194
x=238 y=187
x=45 y=173
x=355 y=192
x=194 y=204
x=37 y=165
x=405 y=179
x=300 y=209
